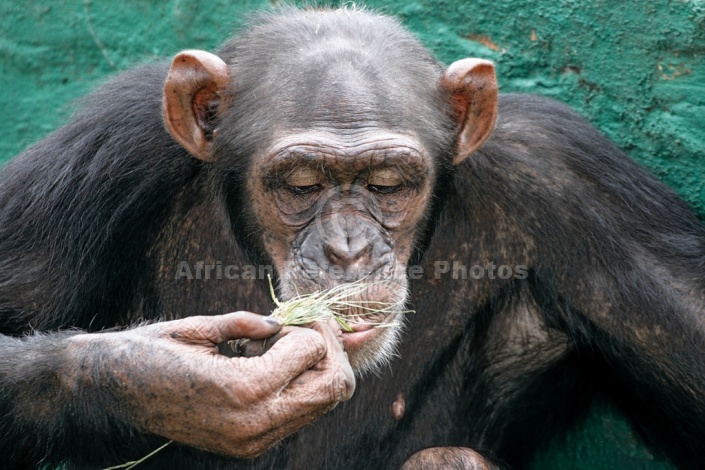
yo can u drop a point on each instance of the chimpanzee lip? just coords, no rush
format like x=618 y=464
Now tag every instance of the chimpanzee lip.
x=368 y=323
x=357 y=327
x=353 y=341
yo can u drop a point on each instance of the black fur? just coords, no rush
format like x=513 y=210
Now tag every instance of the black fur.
x=94 y=218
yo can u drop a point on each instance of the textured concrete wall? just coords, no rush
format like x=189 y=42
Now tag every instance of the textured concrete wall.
x=635 y=68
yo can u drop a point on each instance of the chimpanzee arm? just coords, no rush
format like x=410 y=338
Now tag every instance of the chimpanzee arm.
x=615 y=262
x=80 y=209
x=93 y=399
x=63 y=205
x=637 y=296
x=46 y=420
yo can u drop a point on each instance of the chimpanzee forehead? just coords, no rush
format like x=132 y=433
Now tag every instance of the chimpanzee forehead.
x=343 y=96
x=342 y=71
x=300 y=56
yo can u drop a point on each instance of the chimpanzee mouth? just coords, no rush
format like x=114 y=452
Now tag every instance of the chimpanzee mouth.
x=366 y=311
x=371 y=314
x=367 y=329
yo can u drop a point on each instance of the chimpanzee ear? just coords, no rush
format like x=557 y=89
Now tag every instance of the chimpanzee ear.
x=472 y=86
x=192 y=99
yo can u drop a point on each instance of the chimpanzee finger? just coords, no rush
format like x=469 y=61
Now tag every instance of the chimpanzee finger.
x=219 y=328
x=297 y=350
x=245 y=347
x=331 y=380
x=330 y=330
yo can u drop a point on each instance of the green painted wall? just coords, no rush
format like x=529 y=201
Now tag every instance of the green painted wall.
x=635 y=68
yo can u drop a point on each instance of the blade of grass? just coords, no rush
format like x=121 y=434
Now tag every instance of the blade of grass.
x=134 y=463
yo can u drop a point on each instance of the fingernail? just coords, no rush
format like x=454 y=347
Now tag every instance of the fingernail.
x=273 y=321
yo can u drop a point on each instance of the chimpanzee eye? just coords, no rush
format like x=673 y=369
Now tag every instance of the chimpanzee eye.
x=379 y=189
x=304 y=190
x=303 y=181
x=385 y=181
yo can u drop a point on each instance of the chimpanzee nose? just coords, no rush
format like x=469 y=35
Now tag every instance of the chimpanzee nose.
x=344 y=251
x=344 y=244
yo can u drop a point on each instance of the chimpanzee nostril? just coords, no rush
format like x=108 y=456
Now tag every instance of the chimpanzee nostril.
x=346 y=251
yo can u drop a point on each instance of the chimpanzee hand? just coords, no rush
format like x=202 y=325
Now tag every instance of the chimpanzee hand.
x=168 y=379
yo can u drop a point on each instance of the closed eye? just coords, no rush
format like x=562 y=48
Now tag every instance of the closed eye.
x=381 y=189
x=304 y=190
x=385 y=181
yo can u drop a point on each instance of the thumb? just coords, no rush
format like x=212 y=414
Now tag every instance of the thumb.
x=247 y=325
x=219 y=328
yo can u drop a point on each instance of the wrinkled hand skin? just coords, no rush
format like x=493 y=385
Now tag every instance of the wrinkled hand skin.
x=168 y=379
x=448 y=458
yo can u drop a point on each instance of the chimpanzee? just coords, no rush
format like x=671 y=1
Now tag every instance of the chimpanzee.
x=544 y=267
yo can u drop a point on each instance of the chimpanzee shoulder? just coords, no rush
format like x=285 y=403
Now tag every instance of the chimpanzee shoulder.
x=588 y=211
x=548 y=147
x=78 y=208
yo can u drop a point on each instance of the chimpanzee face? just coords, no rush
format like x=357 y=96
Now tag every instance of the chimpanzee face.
x=345 y=207
x=336 y=147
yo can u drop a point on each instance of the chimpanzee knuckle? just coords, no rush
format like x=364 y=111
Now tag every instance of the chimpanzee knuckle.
x=324 y=388
x=342 y=385
x=199 y=331
x=316 y=345
x=304 y=346
x=223 y=327
x=269 y=374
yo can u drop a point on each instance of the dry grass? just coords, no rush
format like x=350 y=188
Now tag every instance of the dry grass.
x=335 y=303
